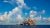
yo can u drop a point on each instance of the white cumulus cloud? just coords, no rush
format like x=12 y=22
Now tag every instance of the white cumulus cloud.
x=16 y=12
x=15 y=16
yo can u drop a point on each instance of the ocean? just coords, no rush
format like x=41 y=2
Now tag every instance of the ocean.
x=22 y=26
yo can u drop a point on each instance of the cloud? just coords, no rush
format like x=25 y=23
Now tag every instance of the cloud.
x=33 y=13
x=43 y=12
x=1 y=18
x=20 y=1
x=15 y=15
x=19 y=19
x=49 y=19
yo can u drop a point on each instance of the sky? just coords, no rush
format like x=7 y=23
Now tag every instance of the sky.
x=39 y=4
x=12 y=9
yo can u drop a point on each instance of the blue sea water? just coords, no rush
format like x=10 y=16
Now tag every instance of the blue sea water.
x=21 y=26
